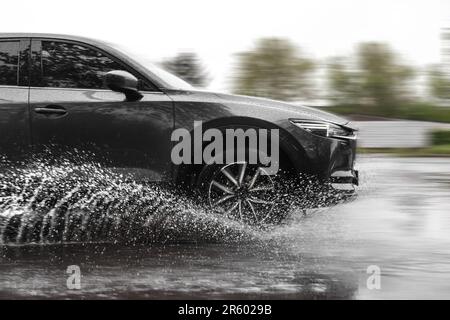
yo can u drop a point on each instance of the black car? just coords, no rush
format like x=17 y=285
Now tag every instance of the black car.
x=62 y=93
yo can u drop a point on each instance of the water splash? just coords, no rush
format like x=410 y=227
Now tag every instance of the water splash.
x=69 y=202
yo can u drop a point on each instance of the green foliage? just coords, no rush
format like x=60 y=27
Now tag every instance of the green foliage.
x=423 y=112
x=383 y=79
x=274 y=69
x=188 y=67
x=374 y=79
x=432 y=151
x=440 y=137
x=343 y=82
x=439 y=83
x=410 y=111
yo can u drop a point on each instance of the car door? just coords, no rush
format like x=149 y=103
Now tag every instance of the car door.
x=72 y=112
x=14 y=90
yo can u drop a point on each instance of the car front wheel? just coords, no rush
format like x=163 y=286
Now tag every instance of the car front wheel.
x=243 y=192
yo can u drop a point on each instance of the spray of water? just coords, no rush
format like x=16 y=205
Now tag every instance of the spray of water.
x=77 y=200
x=69 y=202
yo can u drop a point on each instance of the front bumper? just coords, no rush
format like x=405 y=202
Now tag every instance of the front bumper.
x=345 y=177
x=329 y=167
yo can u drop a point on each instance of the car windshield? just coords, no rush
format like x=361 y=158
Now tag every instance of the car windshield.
x=173 y=81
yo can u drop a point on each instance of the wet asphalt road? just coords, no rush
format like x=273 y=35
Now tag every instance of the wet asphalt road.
x=400 y=223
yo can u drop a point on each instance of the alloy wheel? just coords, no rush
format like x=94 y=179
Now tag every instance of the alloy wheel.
x=242 y=192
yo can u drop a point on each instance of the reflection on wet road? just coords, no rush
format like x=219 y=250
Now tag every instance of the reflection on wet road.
x=400 y=222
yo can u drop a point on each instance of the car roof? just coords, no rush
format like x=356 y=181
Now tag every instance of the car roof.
x=95 y=42
x=53 y=36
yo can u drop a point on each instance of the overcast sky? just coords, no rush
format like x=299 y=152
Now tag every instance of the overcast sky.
x=218 y=29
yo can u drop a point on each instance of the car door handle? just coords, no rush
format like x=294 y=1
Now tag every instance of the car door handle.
x=51 y=110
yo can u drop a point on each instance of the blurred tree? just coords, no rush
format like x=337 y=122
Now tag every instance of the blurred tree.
x=383 y=79
x=188 y=67
x=377 y=79
x=439 y=83
x=342 y=82
x=274 y=69
x=439 y=75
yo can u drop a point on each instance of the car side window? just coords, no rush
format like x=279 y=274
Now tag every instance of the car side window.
x=9 y=63
x=70 y=65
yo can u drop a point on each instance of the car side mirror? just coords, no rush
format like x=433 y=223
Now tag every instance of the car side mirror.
x=124 y=82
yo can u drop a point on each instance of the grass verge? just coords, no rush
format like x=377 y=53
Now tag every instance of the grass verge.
x=432 y=151
x=416 y=111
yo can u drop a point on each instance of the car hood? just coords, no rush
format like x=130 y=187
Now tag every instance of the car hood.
x=297 y=111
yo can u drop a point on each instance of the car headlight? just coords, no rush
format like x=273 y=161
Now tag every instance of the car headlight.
x=325 y=129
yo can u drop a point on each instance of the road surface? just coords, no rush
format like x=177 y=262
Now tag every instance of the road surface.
x=399 y=225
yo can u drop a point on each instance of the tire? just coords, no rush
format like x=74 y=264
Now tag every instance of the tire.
x=243 y=192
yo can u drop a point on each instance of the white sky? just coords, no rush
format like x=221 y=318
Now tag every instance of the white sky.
x=218 y=29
